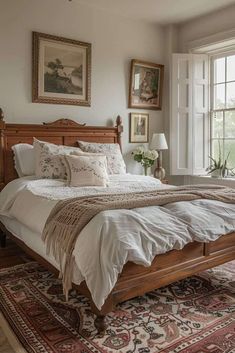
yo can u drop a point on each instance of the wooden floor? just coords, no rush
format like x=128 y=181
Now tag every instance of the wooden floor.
x=12 y=255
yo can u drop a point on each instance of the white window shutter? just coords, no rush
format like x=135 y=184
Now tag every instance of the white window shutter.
x=181 y=110
x=189 y=127
x=200 y=124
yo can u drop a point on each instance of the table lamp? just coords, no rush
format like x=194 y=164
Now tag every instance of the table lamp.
x=159 y=143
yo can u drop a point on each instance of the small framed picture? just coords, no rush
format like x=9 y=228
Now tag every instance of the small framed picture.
x=146 y=85
x=61 y=70
x=139 y=128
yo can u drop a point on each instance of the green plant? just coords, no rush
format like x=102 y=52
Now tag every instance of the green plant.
x=220 y=165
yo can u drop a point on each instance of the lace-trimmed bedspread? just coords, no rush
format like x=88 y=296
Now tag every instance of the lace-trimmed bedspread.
x=58 y=190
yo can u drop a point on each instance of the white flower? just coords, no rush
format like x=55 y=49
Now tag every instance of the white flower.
x=147 y=154
x=154 y=154
x=139 y=150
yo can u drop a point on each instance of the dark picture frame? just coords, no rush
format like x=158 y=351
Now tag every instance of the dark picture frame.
x=139 y=128
x=146 y=85
x=61 y=70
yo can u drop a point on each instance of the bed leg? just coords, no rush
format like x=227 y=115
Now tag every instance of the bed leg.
x=100 y=320
x=100 y=325
x=2 y=239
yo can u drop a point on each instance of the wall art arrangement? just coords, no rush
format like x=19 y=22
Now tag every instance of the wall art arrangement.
x=61 y=70
x=139 y=127
x=146 y=85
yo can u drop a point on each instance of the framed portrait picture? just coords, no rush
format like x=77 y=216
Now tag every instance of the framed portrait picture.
x=139 y=128
x=61 y=70
x=146 y=84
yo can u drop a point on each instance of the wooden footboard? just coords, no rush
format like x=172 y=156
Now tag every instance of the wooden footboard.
x=173 y=266
x=170 y=267
x=137 y=280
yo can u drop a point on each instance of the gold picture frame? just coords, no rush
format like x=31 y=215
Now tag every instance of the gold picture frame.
x=61 y=70
x=146 y=85
x=139 y=128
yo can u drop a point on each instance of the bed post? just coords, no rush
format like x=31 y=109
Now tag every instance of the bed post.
x=119 y=130
x=2 y=239
x=2 y=128
x=100 y=325
x=100 y=320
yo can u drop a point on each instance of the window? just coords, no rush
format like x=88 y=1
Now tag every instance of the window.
x=223 y=107
x=195 y=124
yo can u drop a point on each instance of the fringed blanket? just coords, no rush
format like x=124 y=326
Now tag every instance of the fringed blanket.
x=69 y=217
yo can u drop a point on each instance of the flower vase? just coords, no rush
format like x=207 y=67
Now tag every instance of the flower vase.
x=145 y=170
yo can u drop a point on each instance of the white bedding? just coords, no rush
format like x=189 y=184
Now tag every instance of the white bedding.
x=114 y=237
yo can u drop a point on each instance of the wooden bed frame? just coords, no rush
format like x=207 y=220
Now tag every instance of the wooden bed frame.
x=135 y=279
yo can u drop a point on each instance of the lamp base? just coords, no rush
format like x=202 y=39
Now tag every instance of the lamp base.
x=159 y=173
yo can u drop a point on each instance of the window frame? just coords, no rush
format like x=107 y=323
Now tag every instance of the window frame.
x=212 y=111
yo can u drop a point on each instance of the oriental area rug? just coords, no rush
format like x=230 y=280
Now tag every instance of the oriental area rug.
x=195 y=315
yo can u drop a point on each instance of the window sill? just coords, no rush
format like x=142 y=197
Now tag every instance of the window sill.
x=209 y=180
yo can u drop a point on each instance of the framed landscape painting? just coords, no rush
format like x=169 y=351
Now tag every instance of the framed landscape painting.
x=139 y=128
x=61 y=70
x=146 y=84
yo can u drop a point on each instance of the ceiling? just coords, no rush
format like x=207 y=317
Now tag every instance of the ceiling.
x=159 y=11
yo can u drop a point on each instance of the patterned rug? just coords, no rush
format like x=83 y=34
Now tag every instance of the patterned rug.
x=195 y=315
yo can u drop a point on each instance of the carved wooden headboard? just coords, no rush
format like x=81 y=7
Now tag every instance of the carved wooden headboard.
x=61 y=132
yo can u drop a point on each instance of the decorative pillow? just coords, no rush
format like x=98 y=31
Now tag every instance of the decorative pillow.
x=87 y=170
x=81 y=153
x=88 y=154
x=49 y=161
x=24 y=159
x=116 y=164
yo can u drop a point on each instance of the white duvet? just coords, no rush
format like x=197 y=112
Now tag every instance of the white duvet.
x=114 y=237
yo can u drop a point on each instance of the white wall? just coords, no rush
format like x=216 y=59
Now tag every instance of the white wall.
x=215 y=22
x=115 y=41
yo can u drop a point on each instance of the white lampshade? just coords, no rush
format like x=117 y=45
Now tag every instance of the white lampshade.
x=159 y=142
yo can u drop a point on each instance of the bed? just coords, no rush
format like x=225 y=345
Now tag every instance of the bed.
x=135 y=279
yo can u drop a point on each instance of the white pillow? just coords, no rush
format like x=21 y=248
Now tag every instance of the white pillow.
x=87 y=170
x=116 y=164
x=49 y=161
x=24 y=159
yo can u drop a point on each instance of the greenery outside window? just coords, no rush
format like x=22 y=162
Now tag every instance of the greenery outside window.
x=223 y=107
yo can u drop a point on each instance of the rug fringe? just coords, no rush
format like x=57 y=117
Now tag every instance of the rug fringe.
x=11 y=337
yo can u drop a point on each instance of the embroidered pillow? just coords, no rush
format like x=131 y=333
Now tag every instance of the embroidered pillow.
x=49 y=161
x=116 y=164
x=86 y=170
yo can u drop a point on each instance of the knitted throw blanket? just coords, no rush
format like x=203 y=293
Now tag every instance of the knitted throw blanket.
x=70 y=216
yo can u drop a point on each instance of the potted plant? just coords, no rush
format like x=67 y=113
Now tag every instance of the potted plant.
x=218 y=168
x=145 y=157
